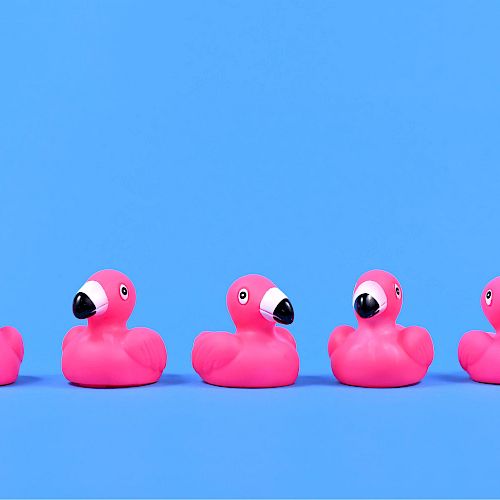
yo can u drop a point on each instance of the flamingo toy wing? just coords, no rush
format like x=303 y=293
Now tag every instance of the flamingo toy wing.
x=72 y=335
x=286 y=336
x=14 y=340
x=417 y=343
x=338 y=337
x=146 y=347
x=472 y=346
x=214 y=350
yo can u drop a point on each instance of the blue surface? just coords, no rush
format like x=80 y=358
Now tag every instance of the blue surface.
x=188 y=143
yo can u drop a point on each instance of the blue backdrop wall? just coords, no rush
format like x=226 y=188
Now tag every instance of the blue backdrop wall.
x=189 y=143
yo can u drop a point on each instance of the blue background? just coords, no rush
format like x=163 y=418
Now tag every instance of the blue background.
x=189 y=143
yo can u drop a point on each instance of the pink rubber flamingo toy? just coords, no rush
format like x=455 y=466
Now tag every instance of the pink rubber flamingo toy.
x=106 y=353
x=11 y=354
x=379 y=353
x=478 y=351
x=259 y=354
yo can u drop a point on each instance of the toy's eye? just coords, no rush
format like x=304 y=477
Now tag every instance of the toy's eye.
x=243 y=296
x=123 y=292
x=397 y=290
x=488 y=297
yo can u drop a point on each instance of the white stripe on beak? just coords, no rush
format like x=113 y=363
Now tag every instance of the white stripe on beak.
x=270 y=301
x=375 y=290
x=95 y=292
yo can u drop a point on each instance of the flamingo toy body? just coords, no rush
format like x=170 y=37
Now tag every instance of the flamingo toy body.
x=106 y=353
x=259 y=354
x=379 y=352
x=478 y=351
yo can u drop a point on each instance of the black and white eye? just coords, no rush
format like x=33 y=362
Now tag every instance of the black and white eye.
x=123 y=292
x=397 y=291
x=243 y=296
x=488 y=297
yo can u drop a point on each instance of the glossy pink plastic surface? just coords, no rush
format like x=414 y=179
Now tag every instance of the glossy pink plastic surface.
x=478 y=351
x=106 y=353
x=259 y=354
x=379 y=352
x=11 y=354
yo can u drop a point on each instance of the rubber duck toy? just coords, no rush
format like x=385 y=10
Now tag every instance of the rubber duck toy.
x=259 y=354
x=106 y=353
x=11 y=354
x=379 y=352
x=478 y=351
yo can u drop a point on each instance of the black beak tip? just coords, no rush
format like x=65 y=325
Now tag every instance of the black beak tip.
x=284 y=312
x=83 y=307
x=366 y=306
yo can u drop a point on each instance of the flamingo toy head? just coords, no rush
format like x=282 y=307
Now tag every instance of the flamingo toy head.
x=490 y=302
x=107 y=296
x=377 y=295
x=255 y=301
